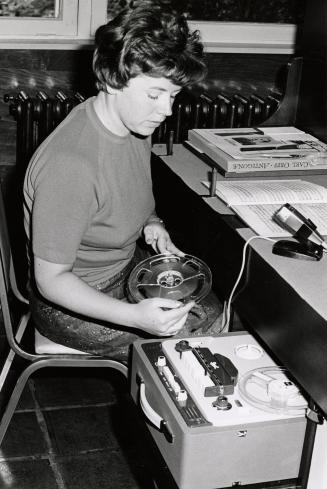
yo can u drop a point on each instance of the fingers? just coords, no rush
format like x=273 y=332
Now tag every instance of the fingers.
x=172 y=307
x=175 y=313
x=175 y=327
x=158 y=243
x=157 y=236
x=151 y=240
x=161 y=317
x=152 y=232
x=175 y=319
x=168 y=247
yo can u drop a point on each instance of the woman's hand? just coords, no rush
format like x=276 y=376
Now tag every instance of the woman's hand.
x=161 y=317
x=156 y=235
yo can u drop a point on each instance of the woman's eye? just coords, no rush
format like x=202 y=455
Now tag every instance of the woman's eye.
x=153 y=97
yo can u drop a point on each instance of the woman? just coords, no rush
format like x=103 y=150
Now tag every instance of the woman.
x=88 y=194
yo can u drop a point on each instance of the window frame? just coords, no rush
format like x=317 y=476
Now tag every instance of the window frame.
x=82 y=17
x=35 y=27
x=246 y=37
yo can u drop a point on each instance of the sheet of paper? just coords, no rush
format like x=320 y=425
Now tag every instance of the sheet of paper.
x=248 y=192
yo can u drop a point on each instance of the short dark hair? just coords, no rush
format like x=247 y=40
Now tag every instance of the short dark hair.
x=150 y=40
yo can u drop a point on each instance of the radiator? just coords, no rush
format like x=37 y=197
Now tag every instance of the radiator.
x=37 y=115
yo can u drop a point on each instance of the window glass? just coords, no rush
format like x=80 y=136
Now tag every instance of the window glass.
x=269 y=11
x=30 y=8
x=38 y=18
x=243 y=24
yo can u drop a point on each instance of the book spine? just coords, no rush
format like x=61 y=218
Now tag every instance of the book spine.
x=257 y=164
x=275 y=165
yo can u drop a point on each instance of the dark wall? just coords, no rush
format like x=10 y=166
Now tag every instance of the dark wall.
x=70 y=71
x=33 y=70
x=312 y=46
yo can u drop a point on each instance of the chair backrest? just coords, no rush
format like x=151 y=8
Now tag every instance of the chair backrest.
x=5 y=268
x=5 y=258
x=8 y=283
x=5 y=243
x=6 y=252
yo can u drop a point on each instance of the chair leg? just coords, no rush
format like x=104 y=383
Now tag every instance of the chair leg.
x=14 y=398
x=12 y=353
x=47 y=362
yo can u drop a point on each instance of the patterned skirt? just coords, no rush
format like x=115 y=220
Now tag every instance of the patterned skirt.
x=108 y=339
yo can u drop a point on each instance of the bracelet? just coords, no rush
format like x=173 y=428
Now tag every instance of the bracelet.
x=155 y=220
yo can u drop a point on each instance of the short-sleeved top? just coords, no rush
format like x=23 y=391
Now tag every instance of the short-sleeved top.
x=87 y=195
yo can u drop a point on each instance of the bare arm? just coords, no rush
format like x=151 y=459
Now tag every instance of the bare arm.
x=58 y=284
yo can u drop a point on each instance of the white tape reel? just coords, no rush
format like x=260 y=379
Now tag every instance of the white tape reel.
x=270 y=389
x=170 y=277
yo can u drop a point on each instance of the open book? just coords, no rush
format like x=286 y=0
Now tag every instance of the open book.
x=256 y=201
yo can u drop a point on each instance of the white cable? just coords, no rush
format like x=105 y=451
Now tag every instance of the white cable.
x=227 y=305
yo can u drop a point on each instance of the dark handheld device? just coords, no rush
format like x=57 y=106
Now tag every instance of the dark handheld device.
x=310 y=245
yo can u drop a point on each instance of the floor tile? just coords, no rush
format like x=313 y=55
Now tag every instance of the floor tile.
x=23 y=437
x=26 y=474
x=26 y=401
x=3 y=344
x=132 y=433
x=60 y=387
x=83 y=429
x=102 y=470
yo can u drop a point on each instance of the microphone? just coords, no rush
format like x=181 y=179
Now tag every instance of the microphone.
x=303 y=229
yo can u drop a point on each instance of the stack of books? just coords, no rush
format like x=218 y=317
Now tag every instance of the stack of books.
x=266 y=151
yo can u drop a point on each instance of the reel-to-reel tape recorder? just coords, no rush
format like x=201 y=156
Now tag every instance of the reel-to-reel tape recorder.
x=221 y=412
x=219 y=409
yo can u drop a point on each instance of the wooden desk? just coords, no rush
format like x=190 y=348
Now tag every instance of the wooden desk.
x=282 y=301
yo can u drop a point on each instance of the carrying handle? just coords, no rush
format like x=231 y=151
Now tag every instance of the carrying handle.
x=153 y=416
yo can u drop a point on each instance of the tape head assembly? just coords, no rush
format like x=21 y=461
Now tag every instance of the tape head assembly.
x=170 y=277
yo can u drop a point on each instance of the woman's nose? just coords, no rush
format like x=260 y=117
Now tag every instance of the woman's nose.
x=166 y=106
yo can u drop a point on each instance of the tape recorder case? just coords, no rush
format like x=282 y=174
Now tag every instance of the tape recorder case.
x=219 y=409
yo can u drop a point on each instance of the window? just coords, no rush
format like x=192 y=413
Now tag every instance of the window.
x=269 y=11
x=38 y=18
x=238 y=25
x=225 y=25
x=32 y=8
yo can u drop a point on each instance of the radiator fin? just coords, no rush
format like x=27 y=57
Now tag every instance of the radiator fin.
x=39 y=114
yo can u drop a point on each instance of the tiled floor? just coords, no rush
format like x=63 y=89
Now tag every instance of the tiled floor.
x=79 y=429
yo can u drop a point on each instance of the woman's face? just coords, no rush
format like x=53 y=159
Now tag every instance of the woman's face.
x=144 y=104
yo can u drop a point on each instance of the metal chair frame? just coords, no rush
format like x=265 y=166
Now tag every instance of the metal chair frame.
x=14 y=334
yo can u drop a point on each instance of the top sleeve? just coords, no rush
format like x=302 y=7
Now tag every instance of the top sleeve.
x=64 y=200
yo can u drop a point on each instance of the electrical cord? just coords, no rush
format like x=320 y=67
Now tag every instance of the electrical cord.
x=227 y=304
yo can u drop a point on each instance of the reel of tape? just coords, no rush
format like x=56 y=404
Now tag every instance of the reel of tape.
x=269 y=389
x=170 y=277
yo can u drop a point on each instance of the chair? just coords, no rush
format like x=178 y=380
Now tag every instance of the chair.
x=46 y=353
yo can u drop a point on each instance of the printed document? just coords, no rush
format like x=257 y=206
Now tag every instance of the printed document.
x=256 y=202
